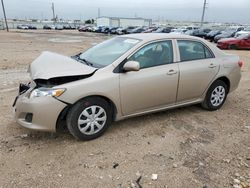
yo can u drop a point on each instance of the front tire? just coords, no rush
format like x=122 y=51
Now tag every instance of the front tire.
x=216 y=96
x=89 y=118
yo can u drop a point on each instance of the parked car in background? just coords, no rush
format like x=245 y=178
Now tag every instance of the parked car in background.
x=99 y=29
x=123 y=77
x=113 y=30
x=210 y=36
x=241 y=42
x=150 y=29
x=47 y=27
x=67 y=27
x=137 y=30
x=58 y=27
x=202 y=33
x=224 y=34
x=190 y=27
x=120 y=31
x=128 y=30
x=83 y=28
x=32 y=27
x=243 y=32
x=25 y=27
x=105 y=29
x=109 y=29
x=178 y=31
x=163 y=30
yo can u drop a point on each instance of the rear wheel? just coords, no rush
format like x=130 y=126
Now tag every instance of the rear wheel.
x=89 y=118
x=216 y=96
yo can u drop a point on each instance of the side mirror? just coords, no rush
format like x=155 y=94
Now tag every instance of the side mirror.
x=131 y=66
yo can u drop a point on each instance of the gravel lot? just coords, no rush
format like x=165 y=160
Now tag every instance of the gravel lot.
x=186 y=147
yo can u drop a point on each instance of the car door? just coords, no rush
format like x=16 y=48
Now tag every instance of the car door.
x=155 y=84
x=197 y=66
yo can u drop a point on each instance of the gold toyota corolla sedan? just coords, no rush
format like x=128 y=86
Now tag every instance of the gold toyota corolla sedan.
x=122 y=77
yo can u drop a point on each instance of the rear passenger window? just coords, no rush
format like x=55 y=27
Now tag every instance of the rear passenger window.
x=192 y=50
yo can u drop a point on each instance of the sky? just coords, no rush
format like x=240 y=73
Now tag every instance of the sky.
x=176 y=10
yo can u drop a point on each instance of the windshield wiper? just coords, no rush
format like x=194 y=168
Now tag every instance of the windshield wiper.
x=86 y=62
x=77 y=57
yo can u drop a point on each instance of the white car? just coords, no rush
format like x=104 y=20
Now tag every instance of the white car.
x=246 y=31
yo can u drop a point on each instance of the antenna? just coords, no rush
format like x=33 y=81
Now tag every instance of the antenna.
x=203 y=12
x=5 y=17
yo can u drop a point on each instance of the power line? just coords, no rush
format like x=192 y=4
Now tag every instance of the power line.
x=5 y=16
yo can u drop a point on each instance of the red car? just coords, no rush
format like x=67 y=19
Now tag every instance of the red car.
x=242 y=42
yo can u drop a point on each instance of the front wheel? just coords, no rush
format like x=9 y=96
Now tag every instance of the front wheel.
x=89 y=118
x=216 y=96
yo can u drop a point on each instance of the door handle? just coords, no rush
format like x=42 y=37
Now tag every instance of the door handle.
x=171 y=72
x=212 y=65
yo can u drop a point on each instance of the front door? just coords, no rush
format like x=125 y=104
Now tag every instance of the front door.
x=155 y=84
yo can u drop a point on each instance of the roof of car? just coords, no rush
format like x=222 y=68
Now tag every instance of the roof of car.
x=157 y=36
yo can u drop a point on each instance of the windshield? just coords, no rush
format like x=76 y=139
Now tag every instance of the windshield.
x=108 y=51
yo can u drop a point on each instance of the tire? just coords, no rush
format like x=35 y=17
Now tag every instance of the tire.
x=216 y=96
x=232 y=47
x=81 y=122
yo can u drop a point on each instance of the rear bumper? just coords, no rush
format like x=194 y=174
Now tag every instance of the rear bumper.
x=39 y=113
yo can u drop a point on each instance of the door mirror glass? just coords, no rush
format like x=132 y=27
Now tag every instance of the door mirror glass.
x=131 y=66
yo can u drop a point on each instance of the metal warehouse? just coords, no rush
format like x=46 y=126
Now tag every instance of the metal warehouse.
x=122 y=22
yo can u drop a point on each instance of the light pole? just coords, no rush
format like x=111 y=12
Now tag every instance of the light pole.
x=5 y=17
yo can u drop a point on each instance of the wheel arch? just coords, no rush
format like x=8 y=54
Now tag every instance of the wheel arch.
x=226 y=81
x=60 y=124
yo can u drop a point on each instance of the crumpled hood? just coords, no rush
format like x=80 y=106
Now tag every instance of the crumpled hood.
x=51 y=65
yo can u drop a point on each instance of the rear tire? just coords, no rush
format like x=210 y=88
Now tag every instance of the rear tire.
x=89 y=118
x=216 y=96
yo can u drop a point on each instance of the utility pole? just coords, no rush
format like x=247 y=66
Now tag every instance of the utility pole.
x=5 y=17
x=53 y=10
x=203 y=12
x=99 y=12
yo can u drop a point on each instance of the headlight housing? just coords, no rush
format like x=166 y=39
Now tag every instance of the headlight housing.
x=42 y=92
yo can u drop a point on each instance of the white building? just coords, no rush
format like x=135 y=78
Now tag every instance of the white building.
x=122 y=22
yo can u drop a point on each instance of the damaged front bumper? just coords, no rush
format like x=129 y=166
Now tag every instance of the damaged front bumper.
x=38 y=113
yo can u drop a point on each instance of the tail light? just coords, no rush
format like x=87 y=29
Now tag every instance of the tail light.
x=240 y=63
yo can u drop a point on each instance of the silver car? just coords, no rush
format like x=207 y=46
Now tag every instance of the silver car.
x=123 y=77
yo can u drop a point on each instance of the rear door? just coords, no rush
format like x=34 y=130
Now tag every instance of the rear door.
x=197 y=68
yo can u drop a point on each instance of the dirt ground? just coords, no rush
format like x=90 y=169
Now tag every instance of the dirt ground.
x=186 y=147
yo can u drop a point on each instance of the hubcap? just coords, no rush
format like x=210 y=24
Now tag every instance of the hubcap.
x=92 y=120
x=218 y=96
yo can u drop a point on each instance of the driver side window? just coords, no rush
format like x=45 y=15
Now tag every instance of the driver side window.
x=155 y=54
